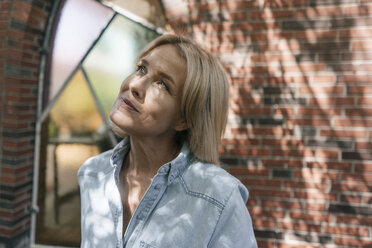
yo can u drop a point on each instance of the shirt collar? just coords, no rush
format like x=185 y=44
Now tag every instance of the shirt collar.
x=173 y=168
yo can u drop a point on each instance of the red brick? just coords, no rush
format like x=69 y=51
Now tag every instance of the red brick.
x=206 y=6
x=258 y=212
x=353 y=242
x=323 y=78
x=281 y=162
x=351 y=187
x=360 y=89
x=261 y=182
x=180 y=21
x=321 y=89
x=12 y=180
x=315 y=196
x=212 y=27
x=289 y=80
x=365 y=100
x=356 y=33
x=239 y=171
x=298 y=226
x=357 y=56
x=284 y=3
x=351 y=198
x=250 y=151
x=283 y=142
x=316 y=174
x=329 y=154
x=271 y=36
x=241 y=91
x=254 y=110
x=272 y=131
x=4 y=24
x=329 y=11
x=312 y=217
x=315 y=206
x=265 y=244
x=5 y=5
x=365 y=167
x=352 y=122
x=331 y=101
x=361 y=45
x=257 y=26
x=17 y=170
x=316 y=34
x=263 y=58
x=366 y=177
x=270 y=193
x=279 y=204
x=321 y=186
x=318 y=111
x=346 y=230
x=237 y=131
x=281 y=111
x=355 y=220
x=15 y=125
x=363 y=112
x=261 y=223
x=367 y=199
x=316 y=122
x=363 y=145
x=343 y=133
x=237 y=5
x=282 y=46
x=306 y=152
x=358 y=10
x=247 y=80
x=330 y=165
x=236 y=16
x=240 y=141
x=271 y=14
x=246 y=101
x=285 y=245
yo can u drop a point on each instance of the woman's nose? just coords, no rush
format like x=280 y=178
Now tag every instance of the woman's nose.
x=138 y=88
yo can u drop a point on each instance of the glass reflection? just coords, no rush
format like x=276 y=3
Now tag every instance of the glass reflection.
x=80 y=24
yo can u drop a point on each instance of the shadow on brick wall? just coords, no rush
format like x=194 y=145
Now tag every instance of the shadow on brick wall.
x=298 y=135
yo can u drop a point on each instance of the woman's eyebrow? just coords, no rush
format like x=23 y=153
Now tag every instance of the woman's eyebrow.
x=164 y=75
x=160 y=73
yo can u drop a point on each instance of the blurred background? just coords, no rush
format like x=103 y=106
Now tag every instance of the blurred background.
x=299 y=133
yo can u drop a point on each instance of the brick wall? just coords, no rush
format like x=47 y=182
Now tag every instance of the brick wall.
x=300 y=128
x=22 y=25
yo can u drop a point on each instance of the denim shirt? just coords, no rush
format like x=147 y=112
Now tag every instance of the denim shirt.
x=188 y=204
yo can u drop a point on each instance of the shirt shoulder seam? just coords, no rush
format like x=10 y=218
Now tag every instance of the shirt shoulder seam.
x=219 y=217
x=215 y=202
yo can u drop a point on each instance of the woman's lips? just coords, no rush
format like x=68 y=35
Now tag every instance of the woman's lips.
x=128 y=105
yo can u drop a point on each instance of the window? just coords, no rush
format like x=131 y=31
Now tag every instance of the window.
x=94 y=49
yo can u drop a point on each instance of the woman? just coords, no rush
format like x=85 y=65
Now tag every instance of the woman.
x=159 y=186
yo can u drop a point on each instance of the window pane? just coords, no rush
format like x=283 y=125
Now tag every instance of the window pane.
x=73 y=132
x=80 y=24
x=113 y=57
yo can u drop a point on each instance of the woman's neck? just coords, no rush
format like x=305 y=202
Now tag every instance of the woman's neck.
x=146 y=156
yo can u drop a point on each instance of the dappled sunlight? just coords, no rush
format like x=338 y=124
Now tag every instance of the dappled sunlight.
x=300 y=115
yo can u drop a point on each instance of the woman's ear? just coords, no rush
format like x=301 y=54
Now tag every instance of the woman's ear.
x=181 y=125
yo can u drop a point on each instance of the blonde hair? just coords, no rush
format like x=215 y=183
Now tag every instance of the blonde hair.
x=205 y=96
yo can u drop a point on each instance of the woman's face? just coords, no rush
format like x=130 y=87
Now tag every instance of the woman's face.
x=149 y=100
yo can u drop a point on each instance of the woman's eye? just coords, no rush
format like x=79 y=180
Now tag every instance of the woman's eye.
x=141 y=69
x=163 y=85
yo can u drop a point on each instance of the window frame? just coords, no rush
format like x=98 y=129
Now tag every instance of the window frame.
x=44 y=109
